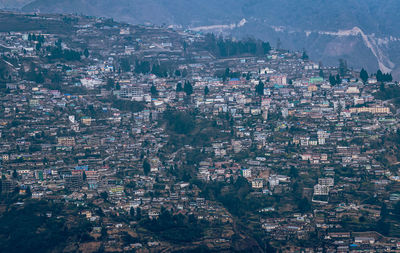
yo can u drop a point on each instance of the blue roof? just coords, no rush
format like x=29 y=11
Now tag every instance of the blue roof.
x=84 y=167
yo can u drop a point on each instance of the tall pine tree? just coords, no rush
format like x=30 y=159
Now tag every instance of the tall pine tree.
x=188 y=88
x=364 y=75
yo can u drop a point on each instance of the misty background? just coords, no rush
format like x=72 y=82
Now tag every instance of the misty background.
x=365 y=33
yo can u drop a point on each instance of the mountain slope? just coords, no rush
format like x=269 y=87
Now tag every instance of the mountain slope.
x=370 y=15
x=138 y=11
x=315 y=25
x=13 y=4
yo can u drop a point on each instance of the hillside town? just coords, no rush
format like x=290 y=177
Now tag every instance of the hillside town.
x=169 y=140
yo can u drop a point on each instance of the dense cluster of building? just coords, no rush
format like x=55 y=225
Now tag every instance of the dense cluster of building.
x=93 y=133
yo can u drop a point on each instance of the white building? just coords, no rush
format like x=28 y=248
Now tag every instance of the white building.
x=321 y=190
x=328 y=181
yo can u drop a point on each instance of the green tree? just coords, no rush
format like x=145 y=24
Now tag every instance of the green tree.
x=383 y=227
x=103 y=232
x=206 y=91
x=304 y=205
x=184 y=72
x=188 y=88
x=179 y=122
x=138 y=214
x=260 y=88
x=110 y=83
x=338 y=79
x=156 y=70
x=293 y=173
x=15 y=174
x=86 y=53
x=364 y=75
x=396 y=210
x=104 y=195
x=28 y=191
x=384 y=211
x=132 y=212
x=179 y=87
x=142 y=67
x=266 y=47
x=146 y=167
x=304 y=56
x=125 y=65
x=379 y=76
x=248 y=76
x=332 y=80
x=386 y=77
x=153 y=90
x=321 y=73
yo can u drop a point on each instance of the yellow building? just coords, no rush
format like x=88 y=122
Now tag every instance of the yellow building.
x=66 y=141
x=373 y=110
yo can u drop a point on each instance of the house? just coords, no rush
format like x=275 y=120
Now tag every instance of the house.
x=364 y=240
x=257 y=183
x=326 y=181
x=321 y=190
